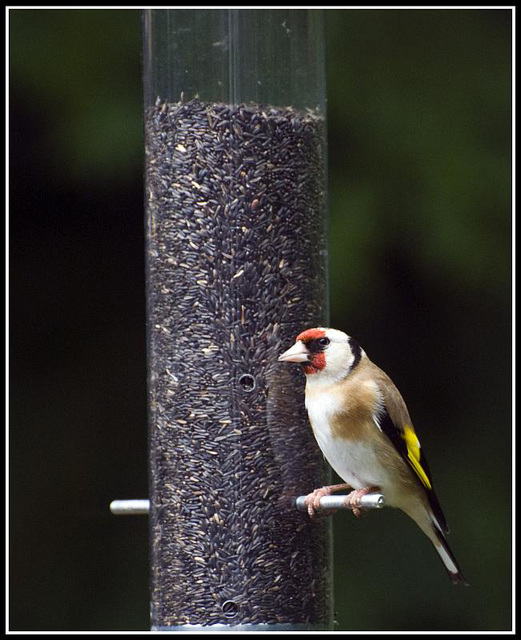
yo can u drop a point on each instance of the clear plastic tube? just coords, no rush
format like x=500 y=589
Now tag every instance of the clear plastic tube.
x=269 y=56
x=236 y=268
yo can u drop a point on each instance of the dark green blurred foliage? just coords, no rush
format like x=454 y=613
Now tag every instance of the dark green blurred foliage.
x=419 y=108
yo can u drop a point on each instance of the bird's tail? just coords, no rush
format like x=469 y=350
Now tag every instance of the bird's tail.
x=447 y=557
x=429 y=524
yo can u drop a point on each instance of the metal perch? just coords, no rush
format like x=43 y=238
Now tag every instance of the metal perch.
x=327 y=503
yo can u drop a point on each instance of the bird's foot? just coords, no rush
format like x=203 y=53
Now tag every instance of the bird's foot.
x=353 y=499
x=312 y=500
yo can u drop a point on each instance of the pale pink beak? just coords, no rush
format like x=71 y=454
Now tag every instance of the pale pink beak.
x=297 y=353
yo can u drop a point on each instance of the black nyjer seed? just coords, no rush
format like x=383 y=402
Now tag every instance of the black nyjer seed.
x=236 y=268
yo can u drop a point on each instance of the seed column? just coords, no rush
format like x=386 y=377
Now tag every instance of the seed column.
x=236 y=268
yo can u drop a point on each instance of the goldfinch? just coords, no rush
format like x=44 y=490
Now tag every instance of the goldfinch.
x=363 y=427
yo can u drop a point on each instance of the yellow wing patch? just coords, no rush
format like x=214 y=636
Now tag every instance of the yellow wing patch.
x=413 y=453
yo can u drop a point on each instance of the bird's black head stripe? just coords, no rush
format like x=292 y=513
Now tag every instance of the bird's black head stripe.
x=357 y=353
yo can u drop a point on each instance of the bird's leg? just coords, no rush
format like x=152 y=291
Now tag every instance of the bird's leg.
x=352 y=500
x=312 y=500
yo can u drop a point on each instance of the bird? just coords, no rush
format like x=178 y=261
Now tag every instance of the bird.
x=362 y=426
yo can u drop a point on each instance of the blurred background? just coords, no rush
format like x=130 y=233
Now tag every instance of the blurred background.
x=419 y=122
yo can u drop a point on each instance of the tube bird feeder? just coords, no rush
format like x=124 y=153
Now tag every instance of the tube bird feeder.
x=236 y=268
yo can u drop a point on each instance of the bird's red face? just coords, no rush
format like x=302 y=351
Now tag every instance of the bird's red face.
x=308 y=350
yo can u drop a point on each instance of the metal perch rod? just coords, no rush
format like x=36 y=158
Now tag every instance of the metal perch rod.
x=327 y=503
x=130 y=507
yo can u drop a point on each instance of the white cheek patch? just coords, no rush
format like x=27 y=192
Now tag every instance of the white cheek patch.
x=350 y=362
x=339 y=361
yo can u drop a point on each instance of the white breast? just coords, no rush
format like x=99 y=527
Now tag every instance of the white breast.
x=355 y=462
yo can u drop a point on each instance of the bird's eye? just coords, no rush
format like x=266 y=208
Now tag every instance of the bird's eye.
x=323 y=342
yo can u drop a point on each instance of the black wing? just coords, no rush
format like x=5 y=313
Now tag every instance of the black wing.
x=406 y=442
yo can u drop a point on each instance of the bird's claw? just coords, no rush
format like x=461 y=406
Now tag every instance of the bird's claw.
x=312 y=500
x=352 y=500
